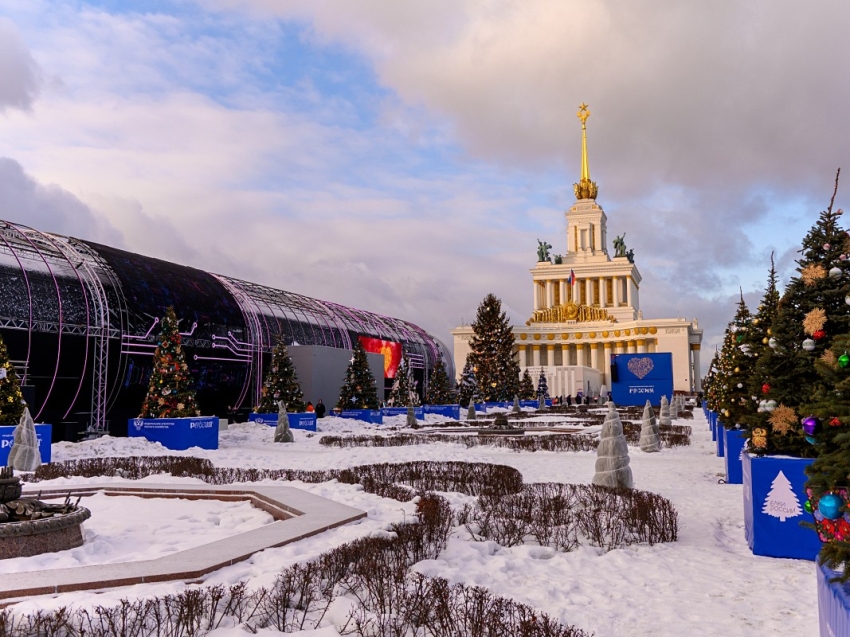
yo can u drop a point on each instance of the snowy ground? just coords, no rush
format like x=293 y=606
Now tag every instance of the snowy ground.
x=707 y=583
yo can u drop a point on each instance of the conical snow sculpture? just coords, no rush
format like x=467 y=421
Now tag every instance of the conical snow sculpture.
x=665 y=412
x=470 y=413
x=612 y=455
x=674 y=408
x=282 y=433
x=411 y=418
x=516 y=408
x=650 y=442
x=25 y=454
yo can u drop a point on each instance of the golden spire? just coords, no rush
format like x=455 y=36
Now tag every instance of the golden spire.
x=584 y=189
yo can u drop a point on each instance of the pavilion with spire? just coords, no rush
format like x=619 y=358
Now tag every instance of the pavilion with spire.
x=586 y=307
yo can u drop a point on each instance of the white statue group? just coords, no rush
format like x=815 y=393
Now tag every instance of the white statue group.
x=612 y=455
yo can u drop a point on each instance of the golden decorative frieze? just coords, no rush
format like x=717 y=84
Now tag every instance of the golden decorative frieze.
x=570 y=311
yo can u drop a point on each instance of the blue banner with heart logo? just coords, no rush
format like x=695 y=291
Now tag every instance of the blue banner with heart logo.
x=636 y=378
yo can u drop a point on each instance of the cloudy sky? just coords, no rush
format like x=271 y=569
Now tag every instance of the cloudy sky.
x=403 y=157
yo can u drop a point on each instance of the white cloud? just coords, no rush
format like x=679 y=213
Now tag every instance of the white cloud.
x=21 y=76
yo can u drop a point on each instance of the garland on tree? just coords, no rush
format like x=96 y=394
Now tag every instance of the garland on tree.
x=281 y=384
x=542 y=385
x=734 y=365
x=169 y=391
x=440 y=391
x=358 y=390
x=492 y=352
x=11 y=399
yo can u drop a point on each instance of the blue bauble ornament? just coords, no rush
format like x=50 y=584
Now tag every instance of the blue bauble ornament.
x=830 y=506
x=810 y=439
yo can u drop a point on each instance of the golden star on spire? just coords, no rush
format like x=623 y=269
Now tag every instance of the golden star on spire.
x=585 y=188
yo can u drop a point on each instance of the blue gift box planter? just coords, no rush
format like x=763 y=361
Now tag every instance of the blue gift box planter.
x=713 y=431
x=369 y=415
x=447 y=411
x=418 y=412
x=718 y=439
x=297 y=420
x=44 y=434
x=176 y=433
x=833 y=605
x=774 y=497
x=734 y=440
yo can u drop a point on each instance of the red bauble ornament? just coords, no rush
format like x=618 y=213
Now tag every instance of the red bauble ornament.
x=765 y=388
x=835 y=422
x=819 y=334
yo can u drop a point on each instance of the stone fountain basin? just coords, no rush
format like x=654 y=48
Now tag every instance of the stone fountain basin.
x=47 y=535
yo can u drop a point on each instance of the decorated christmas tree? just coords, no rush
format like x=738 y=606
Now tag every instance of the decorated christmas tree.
x=358 y=390
x=439 y=388
x=492 y=355
x=11 y=398
x=735 y=366
x=542 y=385
x=281 y=384
x=526 y=386
x=811 y=313
x=757 y=413
x=468 y=386
x=169 y=392
x=402 y=393
x=827 y=426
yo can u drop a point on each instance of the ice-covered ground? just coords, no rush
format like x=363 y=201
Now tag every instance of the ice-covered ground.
x=707 y=583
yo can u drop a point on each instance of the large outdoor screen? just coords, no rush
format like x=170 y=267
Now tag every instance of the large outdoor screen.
x=390 y=350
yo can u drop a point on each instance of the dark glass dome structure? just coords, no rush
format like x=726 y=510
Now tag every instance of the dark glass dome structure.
x=80 y=321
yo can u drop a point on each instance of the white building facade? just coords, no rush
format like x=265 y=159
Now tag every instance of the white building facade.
x=587 y=308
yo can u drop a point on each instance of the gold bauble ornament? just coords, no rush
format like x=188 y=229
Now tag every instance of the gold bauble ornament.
x=755 y=321
x=737 y=369
x=768 y=331
x=764 y=340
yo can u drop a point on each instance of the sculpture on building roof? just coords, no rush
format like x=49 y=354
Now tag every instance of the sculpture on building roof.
x=543 y=250
x=570 y=312
x=585 y=188
x=620 y=245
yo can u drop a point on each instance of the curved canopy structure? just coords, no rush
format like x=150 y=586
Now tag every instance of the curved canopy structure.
x=80 y=321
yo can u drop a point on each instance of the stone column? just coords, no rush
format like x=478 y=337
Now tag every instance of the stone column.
x=580 y=354
x=588 y=283
x=616 y=289
x=550 y=355
x=536 y=296
x=550 y=294
x=535 y=355
x=697 y=374
x=594 y=355
x=522 y=358
x=630 y=347
x=641 y=345
x=606 y=359
x=603 y=292
x=565 y=354
x=562 y=286
x=629 y=291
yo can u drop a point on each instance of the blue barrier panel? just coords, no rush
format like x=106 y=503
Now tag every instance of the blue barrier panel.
x=498 y=405
x=734 y=440
x=418 y=412
x=447 y=411
x=641 y=377
x=369 y=415
x=44 y=433
x=529 y=403
x=176 y=433
x=714 y=431
x=297 y=420
x=719 y=439
x=833 y=604
x=774 y=496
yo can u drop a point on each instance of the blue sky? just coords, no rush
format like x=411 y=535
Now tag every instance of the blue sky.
x=404 y=157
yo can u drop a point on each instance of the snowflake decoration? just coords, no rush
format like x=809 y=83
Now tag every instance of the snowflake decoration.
x=783 y=419
x=814 y=321
x=828 y=358
x=812 y=273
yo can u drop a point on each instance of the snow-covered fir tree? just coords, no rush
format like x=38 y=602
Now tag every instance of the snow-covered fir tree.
x=492 y=352
x=358 y=389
